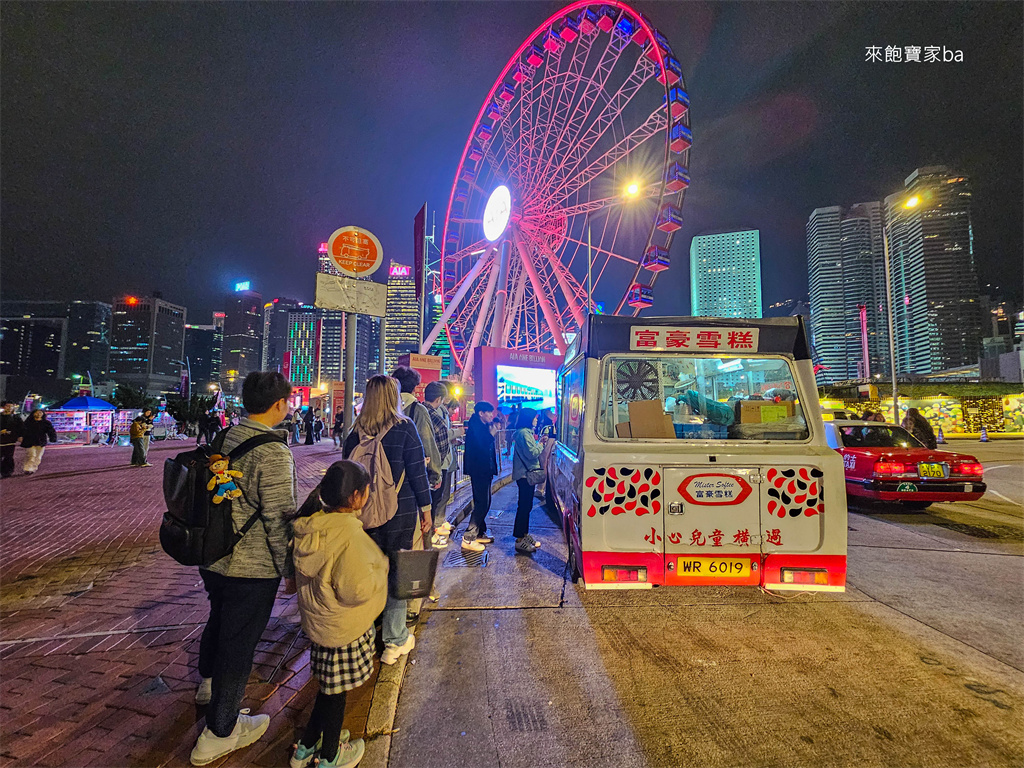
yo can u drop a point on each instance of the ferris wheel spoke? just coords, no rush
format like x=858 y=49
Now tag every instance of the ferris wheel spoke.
x=540 y=294
x=578 y=148
x=652 y=126
x=580 y=54
x=566 y=283
x=518 y=279
x=484 y=311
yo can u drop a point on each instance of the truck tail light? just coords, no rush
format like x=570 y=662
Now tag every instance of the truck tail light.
x=804 y=576
x=970 y=469
x=624 y=573
x=890 y=468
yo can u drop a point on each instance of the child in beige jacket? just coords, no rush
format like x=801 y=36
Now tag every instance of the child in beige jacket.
x=342 y=582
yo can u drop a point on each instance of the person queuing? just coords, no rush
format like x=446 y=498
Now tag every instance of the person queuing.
x=342 y=581
x=526 y=453
x=242 y=585
x=545 y=429
x=408 y=379
x=338 y=433
x=308 y=421
x=480 y=462
x=139 y=431
x=36 y=433
x=917 y=425
x=11 y=430
x=382 y=418
x=434 y=396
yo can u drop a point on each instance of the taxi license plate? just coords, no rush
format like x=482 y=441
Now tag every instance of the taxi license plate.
x=719 y=566
x=931 y=470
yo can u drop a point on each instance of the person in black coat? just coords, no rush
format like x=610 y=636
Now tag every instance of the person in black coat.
x=401 y=443
x=36 y=433
x=480 y=462
x=11 y=430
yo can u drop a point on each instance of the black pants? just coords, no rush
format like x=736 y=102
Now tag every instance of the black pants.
x=481 y=505
x=523 y=509
x=326 y=720
x=239 y=612
x=7 y=460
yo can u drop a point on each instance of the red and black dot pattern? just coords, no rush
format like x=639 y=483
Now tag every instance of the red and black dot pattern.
x=624 y=489
x=795 y=491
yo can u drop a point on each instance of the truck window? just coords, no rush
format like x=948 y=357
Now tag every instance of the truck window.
x=570 y=411
x=685 y=397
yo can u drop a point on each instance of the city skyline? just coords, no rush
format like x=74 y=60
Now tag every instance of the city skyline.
x=777 y=128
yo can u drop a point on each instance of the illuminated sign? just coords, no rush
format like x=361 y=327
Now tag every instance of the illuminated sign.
x=323 y=248
x=399 y=270
x=497 y=212
x=355 y=252
x=242 y=286
x=131 y=301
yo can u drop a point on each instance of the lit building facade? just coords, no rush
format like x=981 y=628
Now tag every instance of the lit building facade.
x=200 y=343
x=725 y=274
x=243 y=338
x=74 y=337
x=33 y=346
x=147 y=341
x=275 y=332
x=301 y=360
x=401 y=326
x=936 y=297
x=88 y=350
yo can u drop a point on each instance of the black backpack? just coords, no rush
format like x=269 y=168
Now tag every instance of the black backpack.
x=195 y=530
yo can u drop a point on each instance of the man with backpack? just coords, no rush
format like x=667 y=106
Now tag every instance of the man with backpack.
x=243 y=584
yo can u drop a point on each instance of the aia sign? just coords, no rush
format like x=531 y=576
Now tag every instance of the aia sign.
x=715 y=489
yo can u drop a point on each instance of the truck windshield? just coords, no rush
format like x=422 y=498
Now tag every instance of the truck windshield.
x=686 y=397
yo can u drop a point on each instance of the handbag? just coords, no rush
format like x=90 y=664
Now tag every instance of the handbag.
x=535 y=476
x=412 y=573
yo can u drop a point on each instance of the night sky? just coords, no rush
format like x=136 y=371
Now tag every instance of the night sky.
x=183 y=147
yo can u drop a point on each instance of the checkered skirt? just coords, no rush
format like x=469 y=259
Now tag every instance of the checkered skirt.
x=342 y=669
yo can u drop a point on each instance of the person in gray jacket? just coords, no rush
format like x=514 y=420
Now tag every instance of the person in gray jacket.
x=242 y=585
x=408 y=380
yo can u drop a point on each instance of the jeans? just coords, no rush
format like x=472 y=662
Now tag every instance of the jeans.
x=393 y=628
x=33 y=457
x=7 y=460
x=439 y=498
x=140 y=450
x=523 y=508
x=239 y=612
x=481 y=506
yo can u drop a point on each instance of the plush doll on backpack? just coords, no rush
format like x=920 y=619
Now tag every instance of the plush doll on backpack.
x=342 y=582
x=223 y=479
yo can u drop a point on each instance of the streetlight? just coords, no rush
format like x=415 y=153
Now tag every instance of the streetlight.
x=911 y=202
x=632 y=190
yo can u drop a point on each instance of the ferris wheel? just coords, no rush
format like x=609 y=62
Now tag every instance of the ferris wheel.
x=570 y=185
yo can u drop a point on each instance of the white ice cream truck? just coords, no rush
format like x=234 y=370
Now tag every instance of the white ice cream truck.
x=691 y=451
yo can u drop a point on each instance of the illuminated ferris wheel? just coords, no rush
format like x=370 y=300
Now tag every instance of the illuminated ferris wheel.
x=570 y=185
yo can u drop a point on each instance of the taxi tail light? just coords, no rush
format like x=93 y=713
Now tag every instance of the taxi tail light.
x=804 y=576
x=890 y=468
x=970 y=469
x=624 y=573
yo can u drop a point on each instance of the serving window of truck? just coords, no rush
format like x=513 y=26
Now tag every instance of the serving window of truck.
x=692 y=451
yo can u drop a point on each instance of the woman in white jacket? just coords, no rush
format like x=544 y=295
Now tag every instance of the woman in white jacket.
x=342 y=581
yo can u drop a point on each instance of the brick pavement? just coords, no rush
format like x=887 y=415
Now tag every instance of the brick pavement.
x=99 y=630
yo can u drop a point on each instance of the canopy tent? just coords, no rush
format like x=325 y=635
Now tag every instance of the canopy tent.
x=87 y=403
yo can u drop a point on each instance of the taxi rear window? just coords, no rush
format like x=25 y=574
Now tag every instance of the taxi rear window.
x=687 y=397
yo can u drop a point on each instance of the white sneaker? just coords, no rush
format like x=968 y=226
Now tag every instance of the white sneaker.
x=439 y=540
x=444 y=528
x=247 y=730
x=205 y=691
x=473 y=545
x=393 y=653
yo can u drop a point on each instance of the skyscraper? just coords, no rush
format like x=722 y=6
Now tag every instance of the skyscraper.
x=33 y=345
x=89 y=325
x=936 y=302
x=275 y=332
x=200 y=342
x=147 y=341
x=301 y=361
x=846 y=271
x=83 y=342
x=725 y=274
x=401 y=326
x=243 y=337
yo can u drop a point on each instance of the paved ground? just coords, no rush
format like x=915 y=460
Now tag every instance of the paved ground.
x=918 y=663
x=100 y=628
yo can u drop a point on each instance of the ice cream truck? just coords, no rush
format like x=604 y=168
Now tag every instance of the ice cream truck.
x=691 y=451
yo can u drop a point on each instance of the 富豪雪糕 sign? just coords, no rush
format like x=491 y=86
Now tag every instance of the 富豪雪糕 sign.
x=665 y=338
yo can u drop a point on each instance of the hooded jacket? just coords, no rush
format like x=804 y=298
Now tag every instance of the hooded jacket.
x=341 y=577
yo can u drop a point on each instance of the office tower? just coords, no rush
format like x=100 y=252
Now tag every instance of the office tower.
x=936 y=297
x=846 y=271
x=275 y=332
x=301 y=361
x=243 y=337
x=332 y=345
x=201 y=342
x=88 y=349
x=401 y=326
x=147 y=343
x=33 y=344
x=725 y=274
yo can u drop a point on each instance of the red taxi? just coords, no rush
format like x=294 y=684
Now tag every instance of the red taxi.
x=884 y=462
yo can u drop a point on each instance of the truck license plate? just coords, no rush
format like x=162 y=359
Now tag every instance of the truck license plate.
x=931 y=470
x=718 y=566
